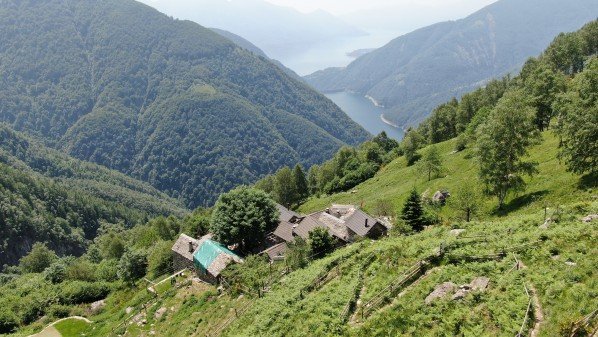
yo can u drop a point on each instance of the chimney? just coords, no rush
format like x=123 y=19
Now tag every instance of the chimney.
x=366 y=223
x=191 y=247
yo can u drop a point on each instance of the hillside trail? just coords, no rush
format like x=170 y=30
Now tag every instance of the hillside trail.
x=538 y=312
x=51 y=331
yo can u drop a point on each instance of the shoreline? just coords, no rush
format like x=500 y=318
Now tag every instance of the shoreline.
x=387 y=122
x=373 y=100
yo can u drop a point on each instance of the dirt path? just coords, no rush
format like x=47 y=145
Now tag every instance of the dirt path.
x=51 y=331
x=538 y=313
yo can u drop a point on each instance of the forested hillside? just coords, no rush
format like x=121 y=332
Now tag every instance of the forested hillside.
x=415 y=72
x=509 y=249
x=166 y=101
x=46 y=196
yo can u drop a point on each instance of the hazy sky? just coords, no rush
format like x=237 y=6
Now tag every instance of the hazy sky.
x=341 y=7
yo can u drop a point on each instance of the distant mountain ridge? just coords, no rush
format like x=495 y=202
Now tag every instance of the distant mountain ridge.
x=278 y=30
x=166 y=101
x=415 y=72
x=245 y=44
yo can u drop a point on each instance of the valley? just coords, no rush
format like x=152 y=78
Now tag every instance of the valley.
x=159 y=178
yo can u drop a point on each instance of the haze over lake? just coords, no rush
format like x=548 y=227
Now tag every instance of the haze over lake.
x=362 y=111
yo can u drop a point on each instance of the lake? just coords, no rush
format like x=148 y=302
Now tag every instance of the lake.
x=365 y=113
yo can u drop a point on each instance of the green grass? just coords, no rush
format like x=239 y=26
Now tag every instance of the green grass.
x=72 y=327
x=552 y=186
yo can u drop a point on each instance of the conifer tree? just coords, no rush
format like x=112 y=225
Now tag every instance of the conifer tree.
x=413 y=212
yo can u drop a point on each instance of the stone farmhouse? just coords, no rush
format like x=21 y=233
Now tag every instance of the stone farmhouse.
x=206 y=256
x=345 y=223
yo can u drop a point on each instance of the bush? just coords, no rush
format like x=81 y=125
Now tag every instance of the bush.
x=55 y=273
x=81 y=270
x=160 y=259
x=132 y=266
x=39 y=258
x=78 y=292
x=107 y=271
x=59 y=311
x=8 y=321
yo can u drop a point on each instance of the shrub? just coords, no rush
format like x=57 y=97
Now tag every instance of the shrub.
x=39 y=258
x=107 y=271
x=78 y=292
x=59 y=311
x=132 y=266
x=55 y=273
x=8 y=321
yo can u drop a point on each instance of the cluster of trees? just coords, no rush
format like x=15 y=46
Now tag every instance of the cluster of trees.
x=46 y=196
x=44 y=283
x=505 y=117
x=168 y=102
x=348 y=168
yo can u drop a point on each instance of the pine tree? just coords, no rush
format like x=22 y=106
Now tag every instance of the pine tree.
x=413 y=212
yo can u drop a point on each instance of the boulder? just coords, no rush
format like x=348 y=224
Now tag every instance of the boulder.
x=440 y=291
x=590 y=218
x=440 y=197
x=97 y=306
x=479 y=283
x=456 y=232
x=160 y=312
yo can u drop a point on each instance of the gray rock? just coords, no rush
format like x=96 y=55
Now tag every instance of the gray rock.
x=590 y=218
x=440 y=291
x=456 y=232
x=479 y=283
x=160 y=312
x=96 y=306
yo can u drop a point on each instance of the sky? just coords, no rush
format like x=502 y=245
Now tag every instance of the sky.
x=343 y=7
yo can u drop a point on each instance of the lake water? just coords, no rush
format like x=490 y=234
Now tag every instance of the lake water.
x=365 y=113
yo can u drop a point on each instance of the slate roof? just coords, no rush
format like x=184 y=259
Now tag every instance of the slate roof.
x=285 y=231
x=181 y=246
x=286 y=214
x=276 y=251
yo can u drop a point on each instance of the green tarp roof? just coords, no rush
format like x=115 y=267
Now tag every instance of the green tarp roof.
x=208 y=252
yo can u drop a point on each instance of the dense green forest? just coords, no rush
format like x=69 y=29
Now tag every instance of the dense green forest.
x=46 y=196
x=165 y=101
x=415 y=72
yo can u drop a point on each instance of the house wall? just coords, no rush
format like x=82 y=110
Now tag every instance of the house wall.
x=179 y=262
x=377 y=231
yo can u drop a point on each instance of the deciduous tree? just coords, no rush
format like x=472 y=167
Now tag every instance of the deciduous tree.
x=503 y=141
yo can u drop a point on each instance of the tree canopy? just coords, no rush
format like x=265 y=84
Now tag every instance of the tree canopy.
x=243 y=216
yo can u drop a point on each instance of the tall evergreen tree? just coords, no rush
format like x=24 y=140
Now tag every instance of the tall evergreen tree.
x=413 y=211
x=503 y=140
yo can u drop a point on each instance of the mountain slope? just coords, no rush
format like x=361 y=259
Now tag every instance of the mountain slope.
x=166 y=101
x=46 y=196
x=415 y=72
x=245 y=44
x=279 y=31
x=297 y=305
